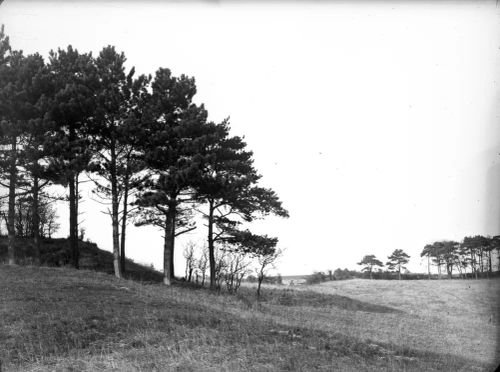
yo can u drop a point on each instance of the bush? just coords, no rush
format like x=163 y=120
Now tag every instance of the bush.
x=316 y=277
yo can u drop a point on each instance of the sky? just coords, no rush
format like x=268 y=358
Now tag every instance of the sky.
x=377 y=123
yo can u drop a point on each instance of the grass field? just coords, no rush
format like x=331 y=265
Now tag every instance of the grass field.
x=58 y=319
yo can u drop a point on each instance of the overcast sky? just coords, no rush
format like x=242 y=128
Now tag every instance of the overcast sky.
x=376 y=123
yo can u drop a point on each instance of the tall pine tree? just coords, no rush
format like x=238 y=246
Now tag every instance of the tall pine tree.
x=118 y=98
x=174 y=140
x=73 y=108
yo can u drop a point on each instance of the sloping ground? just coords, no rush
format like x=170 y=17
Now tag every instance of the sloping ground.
x=55 y=252
x=63 y=319
x=460 y=317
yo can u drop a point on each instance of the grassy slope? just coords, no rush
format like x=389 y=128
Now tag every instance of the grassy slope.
x=61 y=319
x=461 y=317
x=55 y=252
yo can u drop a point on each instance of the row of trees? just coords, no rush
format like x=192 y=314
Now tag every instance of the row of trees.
x=151 y=151
x=473 y=253
x=396 y=262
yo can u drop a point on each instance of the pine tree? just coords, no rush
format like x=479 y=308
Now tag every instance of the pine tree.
x=20 y=114
x=229 y=187
x=113 y=138
x=73 y=106
x=397 y=259
x=427 y=251
x=369 y=262
x=37 y=86
x=173 y=141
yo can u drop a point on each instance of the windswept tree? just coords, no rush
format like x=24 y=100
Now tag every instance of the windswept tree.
x=229 y=186
x=262 y=247
x=73 y=108
x=369 y=262
x=266 y=261
x=173 y=140
x=397 y=260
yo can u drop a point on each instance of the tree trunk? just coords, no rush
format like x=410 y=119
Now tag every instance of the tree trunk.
x=429 y=265
x=11 y=217
x=114 y=214
x=168 y=248
x=173 y=214
x=36 y=222
x=124 y=223
x=481 y=264
x=73 y=222
x=399 y=273
x=260 y=280
x=489 y=262
x=498 y=254
x=211 y=252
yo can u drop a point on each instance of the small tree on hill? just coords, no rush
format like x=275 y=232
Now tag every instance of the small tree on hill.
x=369 y=262
x=397 y=259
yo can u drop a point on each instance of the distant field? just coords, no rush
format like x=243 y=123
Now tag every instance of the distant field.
x=66 y=320
x=459 y=317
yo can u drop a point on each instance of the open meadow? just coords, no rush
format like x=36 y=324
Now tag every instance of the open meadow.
x=67 y=320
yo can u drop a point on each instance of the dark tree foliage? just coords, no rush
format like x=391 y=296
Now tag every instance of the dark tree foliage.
x=427 y=251
x=474 y=252
x=35 y=139
x=229 y=187
x=174 y=139
x=23 y=90
x=119 y=98
x=397 y=259
x=136 y=138
x=72 y=111
x=369 y=262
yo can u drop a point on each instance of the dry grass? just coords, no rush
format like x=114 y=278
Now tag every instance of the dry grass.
x=66 y=320
x=461 y=317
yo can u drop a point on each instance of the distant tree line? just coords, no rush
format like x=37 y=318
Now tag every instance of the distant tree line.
x=473 y=257
x=152 y=153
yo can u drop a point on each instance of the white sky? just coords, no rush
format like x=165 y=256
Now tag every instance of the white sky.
x=376 y=123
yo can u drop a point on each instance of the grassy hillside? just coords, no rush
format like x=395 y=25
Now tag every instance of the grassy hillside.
x=61 y=319
x=55 y=252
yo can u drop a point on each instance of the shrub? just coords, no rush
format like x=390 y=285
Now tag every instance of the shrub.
x=316 y=277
